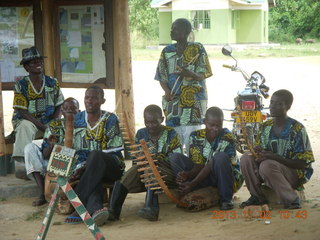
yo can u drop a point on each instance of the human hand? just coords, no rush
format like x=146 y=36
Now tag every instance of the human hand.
x=258 y=149
x=184 y=72
x=52 y=139
x=266 y=155
x=168 y=95
x=77 y=174
x=182 y=177
x=185 y=187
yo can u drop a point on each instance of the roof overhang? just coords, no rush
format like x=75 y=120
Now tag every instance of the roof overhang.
x=246 y=3
x=160 y=3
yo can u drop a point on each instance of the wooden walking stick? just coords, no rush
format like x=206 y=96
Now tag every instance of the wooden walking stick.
x=62 y=164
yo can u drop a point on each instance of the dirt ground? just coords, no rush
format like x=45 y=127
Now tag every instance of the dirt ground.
x=20 y=221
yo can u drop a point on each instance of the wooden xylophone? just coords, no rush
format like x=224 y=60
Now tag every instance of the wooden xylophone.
x=150 y=175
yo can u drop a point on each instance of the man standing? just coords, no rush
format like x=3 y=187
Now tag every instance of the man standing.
x=37 y=101
x=212 y=160
x=182 y=70
x=163 y=141
x=284 y=156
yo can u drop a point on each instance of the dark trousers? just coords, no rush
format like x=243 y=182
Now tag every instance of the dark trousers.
x=132 y=181
x=220 y=176
x=100 y=168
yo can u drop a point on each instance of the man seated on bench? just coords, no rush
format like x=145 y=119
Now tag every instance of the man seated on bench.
x=37 y=101
x=36 y=158
x=98 y=139
x=163 y=142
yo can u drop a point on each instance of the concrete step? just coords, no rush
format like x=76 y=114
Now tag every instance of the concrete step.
x=12 y=187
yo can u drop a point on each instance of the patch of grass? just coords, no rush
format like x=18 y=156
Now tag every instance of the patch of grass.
x=239 y=51
x=34 y=216
x=3 y=199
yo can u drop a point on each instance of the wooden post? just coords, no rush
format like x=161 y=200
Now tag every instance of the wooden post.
x=3 y=168
x=47 y=11
x=122 y=62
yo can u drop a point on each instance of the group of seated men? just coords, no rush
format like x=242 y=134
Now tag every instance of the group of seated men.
x=283 y=161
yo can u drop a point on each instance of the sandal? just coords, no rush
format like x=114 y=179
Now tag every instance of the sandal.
x=100 y=217
x=74 y=218
x=39 y=202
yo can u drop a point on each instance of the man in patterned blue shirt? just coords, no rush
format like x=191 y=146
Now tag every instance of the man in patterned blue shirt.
x=182 y=71
x=212 y=160
x=37 y=101
x=163 y=142
x=98 y=140
x=284 y=156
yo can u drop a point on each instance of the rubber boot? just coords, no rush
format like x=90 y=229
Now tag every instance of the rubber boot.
x=119 y=194
x=151 y=209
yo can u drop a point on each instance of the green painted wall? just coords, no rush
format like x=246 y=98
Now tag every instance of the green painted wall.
x=218 y=33
x=165 y=21
x=227 y=26
x=251 y=27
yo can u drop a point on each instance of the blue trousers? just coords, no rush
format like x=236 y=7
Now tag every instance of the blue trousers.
x=220 y=176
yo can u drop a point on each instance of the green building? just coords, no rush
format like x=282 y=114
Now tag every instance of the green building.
x=216 y=21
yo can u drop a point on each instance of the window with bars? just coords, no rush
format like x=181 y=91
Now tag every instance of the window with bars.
x=201 y=19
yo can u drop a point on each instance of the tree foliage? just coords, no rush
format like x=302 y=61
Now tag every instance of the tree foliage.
x=143 y=18
x=294 y=19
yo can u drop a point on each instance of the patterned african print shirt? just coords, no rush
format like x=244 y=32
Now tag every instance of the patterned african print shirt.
x=201 y=151
x=40 y=104
x=56 y=128
x=167 y=143
x=293 y=143
x=190 y=102
x=104 y=135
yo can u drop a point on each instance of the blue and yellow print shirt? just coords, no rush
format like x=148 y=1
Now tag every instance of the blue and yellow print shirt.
x=40 y=105
x=167 y=143
x=57 y=128
x=293 y=143
x=104 y=135
x=190 y=102
x=201 y=151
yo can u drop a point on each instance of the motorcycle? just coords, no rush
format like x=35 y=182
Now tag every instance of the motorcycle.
x=249 y=109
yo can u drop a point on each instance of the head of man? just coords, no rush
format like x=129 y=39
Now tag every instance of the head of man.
x=213 y=122
x=280 y=103
x=180 y=29
x=32 y=61
x=93 y=99
x=153 y=119
x=70 y=106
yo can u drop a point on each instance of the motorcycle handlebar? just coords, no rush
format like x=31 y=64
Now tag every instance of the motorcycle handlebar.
x=227 y=66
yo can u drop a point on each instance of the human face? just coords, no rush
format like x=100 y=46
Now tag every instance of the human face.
x=35 y=66
x=93 y=101
x=69 y=107
x=153 y=123
x=278 y=107
x=213 y=127
x=177 y=32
